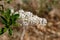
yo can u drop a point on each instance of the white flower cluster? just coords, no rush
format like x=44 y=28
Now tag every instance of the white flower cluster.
x=27 y=18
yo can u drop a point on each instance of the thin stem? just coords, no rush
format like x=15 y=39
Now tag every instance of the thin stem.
x=23 y=33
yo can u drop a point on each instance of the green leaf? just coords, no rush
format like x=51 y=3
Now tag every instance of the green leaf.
x=10 y=21
x=7 y=13
x=1 y=31
x=4 y=21
x=5 y=29
x=14 y=18
x=10 y=31
x=1 y=11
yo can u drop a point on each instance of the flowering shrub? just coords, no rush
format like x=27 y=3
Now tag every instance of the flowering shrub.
x=9 y=17
x=27 y=18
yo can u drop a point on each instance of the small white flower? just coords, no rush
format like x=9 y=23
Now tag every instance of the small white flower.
x=12 y=10
x=28 y=18
x=43 y=21
x=16 y=12
x=28 y=14
x=25 y=23
x=21 y=15
x=33 y=20
x=36 y=18
x=21 y=11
